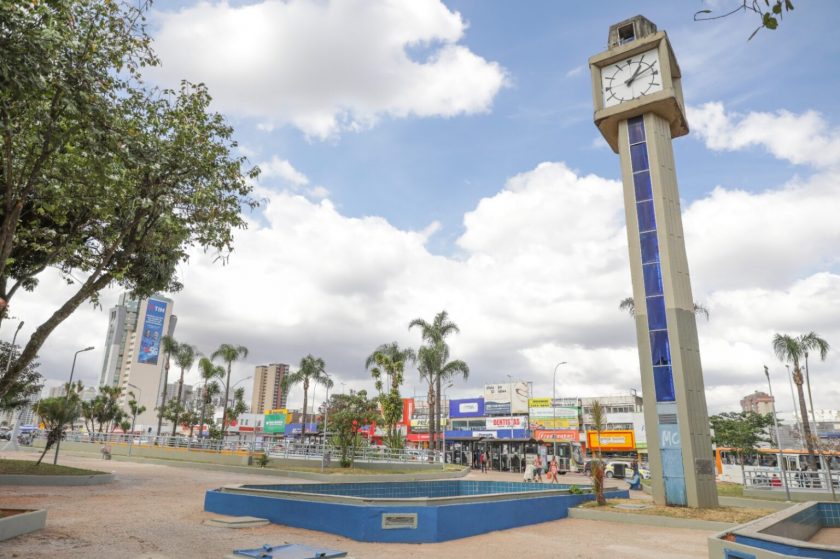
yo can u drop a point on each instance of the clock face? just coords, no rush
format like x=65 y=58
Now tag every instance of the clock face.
x=631 y=78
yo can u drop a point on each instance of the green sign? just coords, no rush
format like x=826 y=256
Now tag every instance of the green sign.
x=274 y=423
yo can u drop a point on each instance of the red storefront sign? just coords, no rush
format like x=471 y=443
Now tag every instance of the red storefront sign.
x=418 y=437
x=408 y=411
x=557 y=435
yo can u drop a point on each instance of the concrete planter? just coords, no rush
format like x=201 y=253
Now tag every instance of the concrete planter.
x=22 y=523
x=95 y=479
x=648 y=520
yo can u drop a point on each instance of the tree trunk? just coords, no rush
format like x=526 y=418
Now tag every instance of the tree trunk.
x=163 y=397
x=439 y=431
x=225 y=403
x=178 y=407
x=806 y=425
x=432 y=426
x=203 y=412
x=46 y=449
x=305 y=396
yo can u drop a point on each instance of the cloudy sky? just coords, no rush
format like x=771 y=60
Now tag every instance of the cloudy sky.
x=430 y=155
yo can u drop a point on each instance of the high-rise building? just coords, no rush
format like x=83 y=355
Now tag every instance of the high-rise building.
x=758 y=402
x=133 y=358
x=268 y=387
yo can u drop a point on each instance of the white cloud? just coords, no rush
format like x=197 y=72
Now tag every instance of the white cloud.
x=541 y=269
x=259 y=60
x=281 y=168
x=803 y=139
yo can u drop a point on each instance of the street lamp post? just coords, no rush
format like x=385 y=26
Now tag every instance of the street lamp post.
x=778 y=438
x=67 y=396
x=554 y=404
x=13 y=440
x=326 y=416
x=443 y=456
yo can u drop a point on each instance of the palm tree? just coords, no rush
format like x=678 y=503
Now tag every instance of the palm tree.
x=435 y=334
x=312 y=370
x=136 y=409
x=428 y=362
x=228 y=353
x=184 y=358
x=793 y=349
x=627 y=304
x=599 y=420
x=208 y=371
x=170 y=347
x=57 y=412
x=392 y=359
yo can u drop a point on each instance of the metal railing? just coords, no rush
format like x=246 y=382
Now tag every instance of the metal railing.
x=797 y=480
x=274 y=447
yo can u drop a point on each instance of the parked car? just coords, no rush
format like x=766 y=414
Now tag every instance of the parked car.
x=6 y=435
x=619 y=469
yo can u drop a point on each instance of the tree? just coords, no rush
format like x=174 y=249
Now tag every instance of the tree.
x=100 y=177
x=173 y=410
x=28 y=383
x=184 y=358
x=106 y=409
x=599 y=420
x=388 y=361
x=741 y=431
x=434 y=334
x=57 y=412
x=312 y=370
x=239 y=407
x=208 y=372
x=769 y=15
x=793 y=349
x=347 y=413
x=136 y=409
x=228 y=353
x=627 y=304
x=125 y=425
x=189 y=419
x=170 y=348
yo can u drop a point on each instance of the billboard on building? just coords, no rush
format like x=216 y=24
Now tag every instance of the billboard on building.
x=557 y=435
x=506 y=398
x=611 y=440
x=152 y=332
x=470 y=407
x=274 y=421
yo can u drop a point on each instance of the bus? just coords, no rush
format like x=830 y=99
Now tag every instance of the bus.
x=761 y=467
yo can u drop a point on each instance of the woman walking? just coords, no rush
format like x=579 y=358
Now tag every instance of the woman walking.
x=552 y=471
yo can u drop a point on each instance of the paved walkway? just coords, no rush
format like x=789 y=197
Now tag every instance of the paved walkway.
x=156 y=511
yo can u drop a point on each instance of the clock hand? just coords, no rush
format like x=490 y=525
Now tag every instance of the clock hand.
x=636 y=73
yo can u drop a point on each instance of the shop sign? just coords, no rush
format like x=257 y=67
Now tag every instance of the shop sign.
x=539 y=402
x=496 y=423
x=611 y=440
x=472 y=407
x=557 y=435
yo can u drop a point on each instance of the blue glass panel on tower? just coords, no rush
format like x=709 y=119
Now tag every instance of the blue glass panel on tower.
x=650 y=248
x=663 y=382
x=660 y=348
x=642 y=183
x=636 y=130
x=656 y=313
x=645 y=212
x=653 y=279
x=639 y=157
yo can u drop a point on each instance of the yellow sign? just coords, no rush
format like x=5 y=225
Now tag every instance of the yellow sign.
x=611 y=440
x=280 y=411
x=539 y=402
x=559 y=423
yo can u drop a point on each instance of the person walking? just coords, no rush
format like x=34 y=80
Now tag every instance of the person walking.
x=553 y=471
x=483 y=459
x=538 y=468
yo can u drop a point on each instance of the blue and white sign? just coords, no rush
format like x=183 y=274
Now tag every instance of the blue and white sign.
x=152 y=332
x=470 y=407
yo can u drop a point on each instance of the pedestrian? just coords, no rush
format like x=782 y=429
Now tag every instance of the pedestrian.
x=538 y=468
x=483 y=459
x=552 y=471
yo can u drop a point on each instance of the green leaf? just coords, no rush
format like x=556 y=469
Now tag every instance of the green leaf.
x=769 y=21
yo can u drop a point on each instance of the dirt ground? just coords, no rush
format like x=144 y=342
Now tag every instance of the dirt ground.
x=156 y=511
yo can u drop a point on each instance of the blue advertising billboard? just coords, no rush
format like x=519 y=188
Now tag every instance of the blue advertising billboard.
x=152 y=332
x=470 y=407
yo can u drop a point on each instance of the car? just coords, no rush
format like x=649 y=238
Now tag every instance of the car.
x=618 y=468
x=644 y=472
x=6 y=435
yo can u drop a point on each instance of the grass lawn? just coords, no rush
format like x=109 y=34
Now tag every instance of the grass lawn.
x=736 y=515
x=723 y=488
x=28 y=467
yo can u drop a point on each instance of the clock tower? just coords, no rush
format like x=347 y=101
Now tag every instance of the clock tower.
x=639 y=108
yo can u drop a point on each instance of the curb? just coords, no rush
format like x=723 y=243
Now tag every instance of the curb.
x=64 y=481
x=754 y=503
x=22 y=523
x=649 y=520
